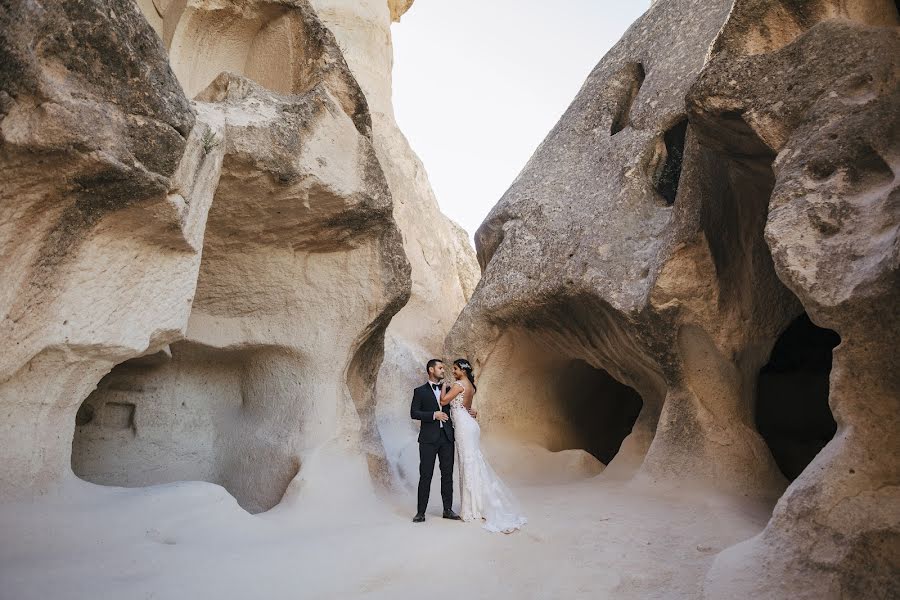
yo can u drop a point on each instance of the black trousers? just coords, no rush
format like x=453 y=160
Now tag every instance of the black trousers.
x=445 y=451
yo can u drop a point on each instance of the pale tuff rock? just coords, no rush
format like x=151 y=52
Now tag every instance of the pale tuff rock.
x=586 y=255
x=831 y=120
x=444 y=270
x=104 y=200
x=243 y=365
x=398 y=8
x=269 y=348
x=724 y=170
x=223 y=262
x=272 y=325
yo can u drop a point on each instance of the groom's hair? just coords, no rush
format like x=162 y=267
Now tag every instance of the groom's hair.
x=431 y=363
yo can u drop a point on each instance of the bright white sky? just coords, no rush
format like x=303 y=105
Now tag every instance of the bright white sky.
x=478 y=84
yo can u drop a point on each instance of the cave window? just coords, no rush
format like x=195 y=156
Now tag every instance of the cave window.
x=256 y=44
x=669 y=171
x=792 y=412
x=635 y=75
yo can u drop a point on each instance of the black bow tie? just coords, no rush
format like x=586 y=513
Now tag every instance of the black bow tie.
x=435 y=386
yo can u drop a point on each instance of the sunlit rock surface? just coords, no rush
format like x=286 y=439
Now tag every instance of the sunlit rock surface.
x=664 y=282
x=205 y=237
x=222 y=263
x=444 y=269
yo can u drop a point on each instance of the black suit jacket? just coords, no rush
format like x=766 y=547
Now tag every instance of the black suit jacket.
x=423 y=407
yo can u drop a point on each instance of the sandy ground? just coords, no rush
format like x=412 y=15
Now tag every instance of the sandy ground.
x=592 y=538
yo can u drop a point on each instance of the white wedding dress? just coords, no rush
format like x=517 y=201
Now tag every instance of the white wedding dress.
x=484 y=495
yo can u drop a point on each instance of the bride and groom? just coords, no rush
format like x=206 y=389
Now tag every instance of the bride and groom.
x=448 y=430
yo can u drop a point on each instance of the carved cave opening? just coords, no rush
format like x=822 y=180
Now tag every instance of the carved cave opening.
x=600 y=411
x=792 y=412
x=569 y=403
x=791 y=409
x=265 y=44
x=668 y=171
x=195 y=414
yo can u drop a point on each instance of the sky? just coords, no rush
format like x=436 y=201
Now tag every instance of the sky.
x=478 y=84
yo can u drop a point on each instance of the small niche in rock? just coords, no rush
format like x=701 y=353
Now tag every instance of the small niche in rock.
x=792 y=412
x=600 y=411
x=263 y=42
x=668 y=172
x=84 y=415
x=633 y=76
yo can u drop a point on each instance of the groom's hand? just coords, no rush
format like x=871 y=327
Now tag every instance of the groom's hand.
x=473 y=412
x=440 y=415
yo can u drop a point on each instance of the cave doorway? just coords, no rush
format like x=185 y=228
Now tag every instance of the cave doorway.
x=195 y=413
x=538 y=387
x=599 y=410
x=792 y=412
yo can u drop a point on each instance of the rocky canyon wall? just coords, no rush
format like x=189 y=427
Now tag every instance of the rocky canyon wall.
x=221 y=261
x=206 y=215
x=695 y=278
x=444 y=267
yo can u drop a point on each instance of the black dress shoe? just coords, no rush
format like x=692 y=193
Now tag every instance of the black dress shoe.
x=449 y=514
x=419 y=518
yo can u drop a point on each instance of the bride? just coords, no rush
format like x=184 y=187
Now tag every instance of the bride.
x=484 y=495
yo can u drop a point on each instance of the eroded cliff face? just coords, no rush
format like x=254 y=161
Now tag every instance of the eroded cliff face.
x=207 y=215
x=104 y=203
x=444 y=268
x=669 y=277
x=222 y=262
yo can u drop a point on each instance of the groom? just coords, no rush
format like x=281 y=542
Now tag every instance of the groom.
x=435 y=440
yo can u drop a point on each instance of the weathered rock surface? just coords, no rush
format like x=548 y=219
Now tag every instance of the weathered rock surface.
x=223 y=262
x=104 y=199
x=723 y=174
x=302 y=268
x=590 y=255
x=834 y=216
x=444 y=269
x=242 y=368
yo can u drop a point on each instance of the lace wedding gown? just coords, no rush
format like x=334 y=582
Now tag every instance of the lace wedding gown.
x=484 y=495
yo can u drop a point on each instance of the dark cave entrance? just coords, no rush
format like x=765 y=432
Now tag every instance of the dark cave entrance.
x=599 y=410
x=792 y=412
x=668 y=173
x=547 y=390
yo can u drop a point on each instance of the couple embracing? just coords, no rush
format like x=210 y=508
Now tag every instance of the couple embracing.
x=449 y=430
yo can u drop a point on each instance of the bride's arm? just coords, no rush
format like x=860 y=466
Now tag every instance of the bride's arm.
x=450 y=393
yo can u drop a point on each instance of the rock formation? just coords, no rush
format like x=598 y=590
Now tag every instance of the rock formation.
x=830 y=120
x=135 y=144
x=104 y=204
x=223 y=263
x=667 y=277
x=444 y=268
